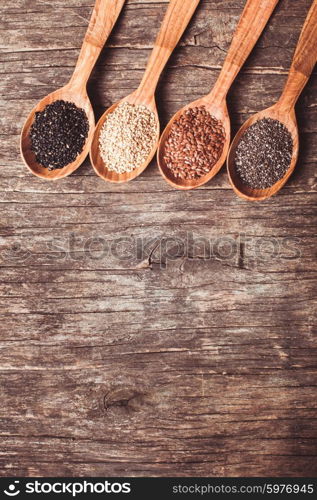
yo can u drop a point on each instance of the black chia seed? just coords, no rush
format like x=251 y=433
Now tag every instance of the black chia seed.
x=58 y=134
x=264 y=153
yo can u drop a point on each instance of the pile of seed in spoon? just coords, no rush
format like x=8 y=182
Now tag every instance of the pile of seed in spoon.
x=127 y=137
x=194 y=144
x=58 y=134
x=264 y=153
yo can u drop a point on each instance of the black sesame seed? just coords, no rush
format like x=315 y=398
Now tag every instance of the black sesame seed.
x=264 y=153
x=58 y=134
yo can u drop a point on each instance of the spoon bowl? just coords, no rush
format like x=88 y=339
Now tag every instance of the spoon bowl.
x=218 y=111
x=288 y=119
x=81 y=100
x=97 y=162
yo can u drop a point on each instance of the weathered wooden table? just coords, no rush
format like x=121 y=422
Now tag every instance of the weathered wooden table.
x=147 y=331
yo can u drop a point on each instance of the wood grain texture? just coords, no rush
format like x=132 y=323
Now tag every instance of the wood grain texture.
x=117 y=360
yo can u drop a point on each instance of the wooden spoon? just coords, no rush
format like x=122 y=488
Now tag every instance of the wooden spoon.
x=103 y=19
x=304 y=60
x=254 y=17
x=177 y=17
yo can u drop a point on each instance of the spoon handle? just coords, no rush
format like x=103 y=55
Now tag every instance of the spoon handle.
x=304 y=60
x=253 y=20
x=177 y=17
x=103 y=19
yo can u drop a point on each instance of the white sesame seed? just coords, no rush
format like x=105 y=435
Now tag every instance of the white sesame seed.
x=127 y=137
